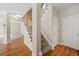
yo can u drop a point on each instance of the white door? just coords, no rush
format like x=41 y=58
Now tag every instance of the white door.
x=55 y=29
x=3 y=29
x=70 y=32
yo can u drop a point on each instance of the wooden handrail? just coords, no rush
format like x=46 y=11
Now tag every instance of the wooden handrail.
x=28 y=18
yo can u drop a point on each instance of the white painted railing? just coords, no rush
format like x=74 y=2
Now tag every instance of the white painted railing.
x=27 y=40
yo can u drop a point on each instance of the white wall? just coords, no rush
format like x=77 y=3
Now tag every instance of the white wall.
x=55 y=26
x=70 y=14
x=17 y=8
x=15 y=27
x=15 y=30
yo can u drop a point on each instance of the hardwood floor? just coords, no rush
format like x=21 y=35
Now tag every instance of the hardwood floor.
x=15 y=48
x=61 y=50
x=18 y=48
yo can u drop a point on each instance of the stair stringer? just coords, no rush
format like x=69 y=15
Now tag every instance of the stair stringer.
x=45 y=50
x=46 y=38
x=27 y=41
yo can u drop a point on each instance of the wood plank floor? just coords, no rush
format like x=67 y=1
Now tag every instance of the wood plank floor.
x=15 y=48
x=18 y=48
x=61 y=50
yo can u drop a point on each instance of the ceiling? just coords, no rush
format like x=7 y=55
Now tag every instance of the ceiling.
x=62 y=6
x=22 y=8
x=16 y=8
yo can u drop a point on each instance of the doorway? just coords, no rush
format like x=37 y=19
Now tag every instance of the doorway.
x=70 y=31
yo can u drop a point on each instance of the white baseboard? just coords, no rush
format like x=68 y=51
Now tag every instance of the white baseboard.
x=68 y=46
x=54 y=45
x=61 y=43
x=16 y=37
x=12 y=39
x=28 y=44
x=40 y=54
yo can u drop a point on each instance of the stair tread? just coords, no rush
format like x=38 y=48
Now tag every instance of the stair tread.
x=44 y=45
x=43 y=40
x=46 y=50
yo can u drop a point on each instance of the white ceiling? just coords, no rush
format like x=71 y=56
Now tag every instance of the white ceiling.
x=62 y=6
x=16 y=8
x=22 y=8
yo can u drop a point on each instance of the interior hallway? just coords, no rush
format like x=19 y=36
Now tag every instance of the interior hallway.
x=15 y=48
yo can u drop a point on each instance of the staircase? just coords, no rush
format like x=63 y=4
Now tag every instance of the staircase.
x=28 y=23
x=45 y=44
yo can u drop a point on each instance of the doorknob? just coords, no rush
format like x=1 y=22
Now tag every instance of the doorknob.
x=4 y=25
x=78 y=34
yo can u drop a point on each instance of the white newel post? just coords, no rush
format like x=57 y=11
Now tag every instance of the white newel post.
x=36 y=29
